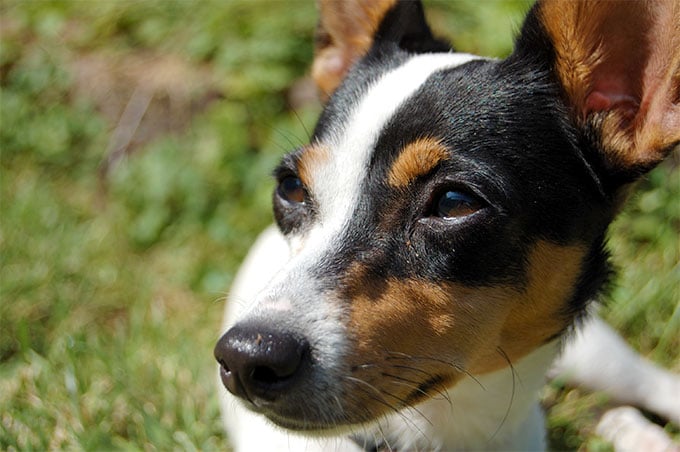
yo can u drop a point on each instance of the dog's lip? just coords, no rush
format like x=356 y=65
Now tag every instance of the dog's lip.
x=306 y=425
x=292 y=422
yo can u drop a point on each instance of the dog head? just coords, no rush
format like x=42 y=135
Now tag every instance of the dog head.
x=448 y=216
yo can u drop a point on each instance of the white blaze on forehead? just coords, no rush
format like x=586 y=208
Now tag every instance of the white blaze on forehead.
x=336 y=185
x=293 y=294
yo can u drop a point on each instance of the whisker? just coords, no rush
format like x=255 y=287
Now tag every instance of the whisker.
x=378 y=436
x=373 y=437
x=512 y=393
x=444 y=394
x=416 y=369
x=381 y=399
x=362 y=439
x=364 y=366
x=455 y=366
x=425 y=358
x=292 y=143
x=221 y=299
x=302 y=123
x=385 y=441
x=404 y=404
x=373 y=389
x=415 y=384
x=337 y=401
x=240 y=301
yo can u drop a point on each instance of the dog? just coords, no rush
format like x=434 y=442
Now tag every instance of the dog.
x=442 y=235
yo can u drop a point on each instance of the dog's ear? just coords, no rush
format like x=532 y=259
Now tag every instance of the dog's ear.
x=619 y=66
x=347 y=29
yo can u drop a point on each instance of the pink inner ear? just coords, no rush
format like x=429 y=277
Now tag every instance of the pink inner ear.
x=603 y=101
x=598 y=101
x=333 y=61
x=610 y=94
x=618 y=62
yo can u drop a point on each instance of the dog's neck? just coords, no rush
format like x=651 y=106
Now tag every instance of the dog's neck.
x=499 y=410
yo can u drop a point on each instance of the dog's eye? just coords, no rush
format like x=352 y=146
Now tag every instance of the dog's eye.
x=291 y=189
x=456 y=204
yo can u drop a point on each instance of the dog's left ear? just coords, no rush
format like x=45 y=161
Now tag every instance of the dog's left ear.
x=619 y=66
x=347 y=29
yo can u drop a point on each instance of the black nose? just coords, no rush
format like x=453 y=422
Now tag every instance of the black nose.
x=258 y=362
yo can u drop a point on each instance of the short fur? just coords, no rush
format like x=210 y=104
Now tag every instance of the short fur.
x=383 y=320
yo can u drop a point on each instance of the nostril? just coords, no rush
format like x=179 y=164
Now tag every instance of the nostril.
x=266 y=375
x=230 y=379
x=283 y=363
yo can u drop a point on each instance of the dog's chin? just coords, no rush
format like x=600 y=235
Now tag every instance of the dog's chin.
x=312 y=428
x=328 y=427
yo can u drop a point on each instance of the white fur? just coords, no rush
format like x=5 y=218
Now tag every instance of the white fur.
x=293 y=298
x=628 y=430
x=337 y=185
x=249 y=431
x=496 y=411
x=626 y=375
x=482 y=414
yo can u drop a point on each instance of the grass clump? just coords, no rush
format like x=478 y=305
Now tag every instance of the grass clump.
x=120 y=236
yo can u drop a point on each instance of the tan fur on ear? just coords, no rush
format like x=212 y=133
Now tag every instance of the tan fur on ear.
x=344 y=34
x=660 y=107
x=619 y=65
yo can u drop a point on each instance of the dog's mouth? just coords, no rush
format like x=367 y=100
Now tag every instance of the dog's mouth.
x=310 y=426
x=310 y=411
x=363 y=400
x=306 y=405
x=304 y=384
x=318 y=400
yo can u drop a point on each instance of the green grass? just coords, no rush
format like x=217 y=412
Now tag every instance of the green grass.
x=115 y=264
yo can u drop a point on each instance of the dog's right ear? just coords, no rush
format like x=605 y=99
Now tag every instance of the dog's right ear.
x=347 y=29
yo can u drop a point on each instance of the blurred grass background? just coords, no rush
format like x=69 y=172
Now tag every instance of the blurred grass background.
x=136 y=142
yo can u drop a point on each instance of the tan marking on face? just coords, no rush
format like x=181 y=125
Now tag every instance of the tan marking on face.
x=416 y=159
x=311 y=159
x=538 y=313
x=448 y=329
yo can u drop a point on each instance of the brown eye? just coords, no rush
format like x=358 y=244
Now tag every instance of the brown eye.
x=292 y=190
x=456 y=204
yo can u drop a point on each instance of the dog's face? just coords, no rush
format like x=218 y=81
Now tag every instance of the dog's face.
x=441 y=232
x=446 y=219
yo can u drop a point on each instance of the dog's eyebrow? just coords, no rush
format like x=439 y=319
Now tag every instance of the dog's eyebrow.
x=287 y=165
x=416 y=159
x=309 y=159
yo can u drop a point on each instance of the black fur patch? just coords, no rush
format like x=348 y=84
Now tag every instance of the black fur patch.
x=512 y=145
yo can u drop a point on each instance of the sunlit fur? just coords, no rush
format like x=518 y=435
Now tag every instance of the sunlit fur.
x=434 y=332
